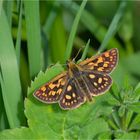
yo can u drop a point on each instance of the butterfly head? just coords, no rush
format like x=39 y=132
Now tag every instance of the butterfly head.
x=73 y=68
x=70 y=64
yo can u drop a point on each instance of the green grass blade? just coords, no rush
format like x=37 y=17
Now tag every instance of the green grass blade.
x=8 y=6
x=6 y=104
x=11 y=88
x=3 y=118
x=93 y=25
x=58 y=39
x=33 y=36
x=50 y=20
x=113 y=26
x=73 y=30
x=18 y=41
x=1 y=2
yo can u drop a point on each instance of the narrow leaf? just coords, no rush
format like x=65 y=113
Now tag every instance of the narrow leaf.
x=73 y=30
x=11 y=89
x=113 y=26
x=33 y=36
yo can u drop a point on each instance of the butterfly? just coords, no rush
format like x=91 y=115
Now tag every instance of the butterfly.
x=80 y=82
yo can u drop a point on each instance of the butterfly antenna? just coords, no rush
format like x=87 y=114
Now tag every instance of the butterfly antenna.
x=77 y=54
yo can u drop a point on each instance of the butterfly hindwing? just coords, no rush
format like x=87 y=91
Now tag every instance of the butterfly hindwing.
x=97 y=83
x=51 y=91
x=103 y=63
x=71 y=97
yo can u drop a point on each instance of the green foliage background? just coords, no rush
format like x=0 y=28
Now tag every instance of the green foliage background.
x=37 y=34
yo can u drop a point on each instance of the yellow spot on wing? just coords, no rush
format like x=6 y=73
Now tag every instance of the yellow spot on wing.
x=75 y=101
x=100 y=69
x=53 y=93
x=73 y=95
x=52 y=85
x=95 y=83
x=105 y=65
x=68 y=97
x=43 y=88
x=100 y=59
x=43 y=94
x=63 y=101
x=107 y=54
x=59 y=80
x=91 y=75
x=59 y=91
x=69 y=88
x=90 y=63
x=105 y=79
x=62 y=82
x=113 y=51
x=50 y=92
x=100 y=80
x=91 y=68
x=95 y=64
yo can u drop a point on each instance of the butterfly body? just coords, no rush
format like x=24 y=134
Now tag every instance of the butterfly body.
x=80 y=82
x=79 y=77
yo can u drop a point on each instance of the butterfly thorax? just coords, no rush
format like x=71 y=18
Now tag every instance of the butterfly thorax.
x=76 y=74
x=73 y=69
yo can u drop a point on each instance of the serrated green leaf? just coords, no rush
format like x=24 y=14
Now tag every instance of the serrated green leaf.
x=121 y=110
x=116 y=119
x=49 y=121
x=115 y=91
x=130 y=136
x=134 y=107
x=105 y=135
x=136 y=93
x=42 y=77
x=129 y=118
x=135 y=125
x=112 y=124
x=89 y=132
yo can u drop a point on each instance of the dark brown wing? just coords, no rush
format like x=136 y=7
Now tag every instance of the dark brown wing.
x=71 y=97
x=97 y=83
x=103 y=63
x=51 y=91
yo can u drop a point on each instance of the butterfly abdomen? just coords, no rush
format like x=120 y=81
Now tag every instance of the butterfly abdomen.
x=82 y=85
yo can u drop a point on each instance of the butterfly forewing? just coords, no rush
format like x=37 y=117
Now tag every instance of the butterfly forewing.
x=72 y=96
x=103 y=63
x=51 y=91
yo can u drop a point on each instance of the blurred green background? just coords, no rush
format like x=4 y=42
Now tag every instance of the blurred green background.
x=35 y=34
